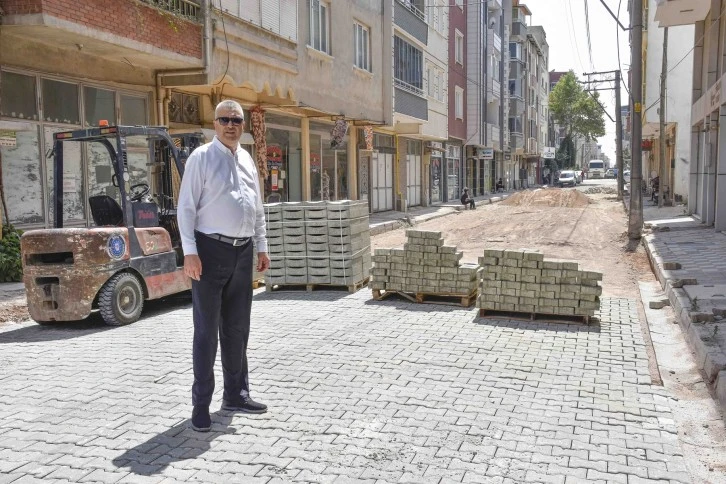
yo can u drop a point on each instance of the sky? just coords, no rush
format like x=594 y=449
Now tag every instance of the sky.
x=566 y=28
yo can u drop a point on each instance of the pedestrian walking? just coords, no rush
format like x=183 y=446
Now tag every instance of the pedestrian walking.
x=220 y=217
x=466 y=200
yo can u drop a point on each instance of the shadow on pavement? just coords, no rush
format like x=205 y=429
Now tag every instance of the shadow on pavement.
x=399 y=302
x=177 y=444
x=299 y=293
x=62 y=330
x=564 y=325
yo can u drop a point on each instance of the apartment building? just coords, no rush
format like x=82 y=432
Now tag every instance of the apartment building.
x=314 y=72
x=419 y=100
x=486 y=103
x=454 y=146
x=528 y=52
x=538 y=110
x=69 y=64
x=677 y=106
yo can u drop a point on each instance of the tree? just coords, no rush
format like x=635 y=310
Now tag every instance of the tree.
x=577 y=111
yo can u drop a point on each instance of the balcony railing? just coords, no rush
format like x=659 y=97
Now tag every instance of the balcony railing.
x=189 y=9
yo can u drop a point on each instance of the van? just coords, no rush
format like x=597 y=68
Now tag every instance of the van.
x=596 y=169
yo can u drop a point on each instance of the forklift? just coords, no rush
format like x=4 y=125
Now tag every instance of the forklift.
x=132 y=253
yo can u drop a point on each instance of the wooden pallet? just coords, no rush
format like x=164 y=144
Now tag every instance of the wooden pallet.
x=540 y=317
x=464 y=300
x=351 y=288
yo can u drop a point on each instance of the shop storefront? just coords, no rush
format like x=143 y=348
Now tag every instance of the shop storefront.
x=436 y=172
x=284 y=159
x=328 y=165
x=33 y=107
x=377 y=167
x=414 y=180
x=453 y=172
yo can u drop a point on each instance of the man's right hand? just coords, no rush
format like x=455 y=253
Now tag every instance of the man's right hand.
x=193 y=266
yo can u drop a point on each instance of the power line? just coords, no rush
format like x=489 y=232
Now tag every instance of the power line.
x=617 y=37
x=570 y=28
x=587 y=27
x=714 y=22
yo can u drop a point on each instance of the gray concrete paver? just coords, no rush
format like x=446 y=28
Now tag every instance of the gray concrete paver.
x=384 y=392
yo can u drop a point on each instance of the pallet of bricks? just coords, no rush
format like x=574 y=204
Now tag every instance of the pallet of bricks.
x=318 y=244
x=522 y=281
x=425 y=270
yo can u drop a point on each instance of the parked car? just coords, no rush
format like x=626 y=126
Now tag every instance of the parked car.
x=567 y=178
x=610 y=173
x=626 y=173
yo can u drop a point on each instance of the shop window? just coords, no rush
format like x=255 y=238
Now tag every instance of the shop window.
x=74 y=203
x=99 y=104
x=133 y=111
x=22 y=173
x=60 y=102
x=18 y=96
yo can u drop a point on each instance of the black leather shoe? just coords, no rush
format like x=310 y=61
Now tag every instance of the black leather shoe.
x=244 y=405
x=201 y=421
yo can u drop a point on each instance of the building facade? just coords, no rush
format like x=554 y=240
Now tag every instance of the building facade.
x=72 y=65
x=486 y=68
x=677 y=107
x=453 y=162
x=707 y=162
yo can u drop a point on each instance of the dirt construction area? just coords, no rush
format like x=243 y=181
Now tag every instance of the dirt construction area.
x=561 y=223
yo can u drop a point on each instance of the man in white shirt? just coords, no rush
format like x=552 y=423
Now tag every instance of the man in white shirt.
x=220 y=216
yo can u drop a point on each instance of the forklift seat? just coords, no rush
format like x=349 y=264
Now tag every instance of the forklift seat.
x=105 y=210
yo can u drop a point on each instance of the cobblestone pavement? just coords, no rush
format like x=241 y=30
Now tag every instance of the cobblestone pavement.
x=358 y=390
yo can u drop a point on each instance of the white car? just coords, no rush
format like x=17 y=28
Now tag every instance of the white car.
x=567 y=178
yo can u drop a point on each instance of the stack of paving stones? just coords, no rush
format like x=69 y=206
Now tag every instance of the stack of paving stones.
x=523 y=281
x=424 y=266
x=326 y=243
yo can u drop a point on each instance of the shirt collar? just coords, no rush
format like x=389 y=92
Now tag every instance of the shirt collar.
x=221 y=146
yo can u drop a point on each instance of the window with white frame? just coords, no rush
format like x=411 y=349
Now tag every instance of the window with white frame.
x=320 y=26
x=459 y=48
x=459 y=102
x=362 y=46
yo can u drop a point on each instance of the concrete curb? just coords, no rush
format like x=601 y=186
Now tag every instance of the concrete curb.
x=709 y=357
x=408 y=221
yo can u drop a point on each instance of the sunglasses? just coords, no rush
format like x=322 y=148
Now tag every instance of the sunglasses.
x=224 y=121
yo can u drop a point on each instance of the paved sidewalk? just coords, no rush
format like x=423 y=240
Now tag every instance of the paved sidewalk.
x=689 y=260
x=359 y=391
x=392 y=220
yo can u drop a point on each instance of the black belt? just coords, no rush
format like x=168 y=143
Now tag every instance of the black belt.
x=228 y=240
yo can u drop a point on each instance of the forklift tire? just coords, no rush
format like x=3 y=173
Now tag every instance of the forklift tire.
x=121 y=300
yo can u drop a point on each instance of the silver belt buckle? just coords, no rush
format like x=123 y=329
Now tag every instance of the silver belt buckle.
x=238 y=242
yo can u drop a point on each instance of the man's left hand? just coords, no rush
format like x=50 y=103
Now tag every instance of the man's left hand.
x=263 y=262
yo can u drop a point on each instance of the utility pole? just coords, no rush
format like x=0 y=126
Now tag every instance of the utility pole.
x=635 y=218
x=662 y=184
x=619 y=136
x=618 y=120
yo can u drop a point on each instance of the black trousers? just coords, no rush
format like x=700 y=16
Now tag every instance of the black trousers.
x=222 y=302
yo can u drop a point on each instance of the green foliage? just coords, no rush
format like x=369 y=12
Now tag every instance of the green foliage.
x=566 y=154
x=11 y=268
x=576 y=110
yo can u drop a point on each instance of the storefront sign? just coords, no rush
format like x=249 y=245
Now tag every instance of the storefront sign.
x=274 y=157
x=8 y=139
x=548 y=153
x=315 y=162
x=486 y=153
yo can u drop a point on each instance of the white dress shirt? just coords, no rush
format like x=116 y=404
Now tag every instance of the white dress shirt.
x=220 y=194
